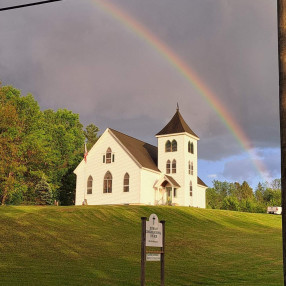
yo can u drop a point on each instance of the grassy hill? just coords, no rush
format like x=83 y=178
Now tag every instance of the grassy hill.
x=100 y=245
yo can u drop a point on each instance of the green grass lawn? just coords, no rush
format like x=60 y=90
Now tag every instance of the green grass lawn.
x=100 y=245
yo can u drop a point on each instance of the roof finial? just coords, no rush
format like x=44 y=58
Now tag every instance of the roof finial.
x=177 y=106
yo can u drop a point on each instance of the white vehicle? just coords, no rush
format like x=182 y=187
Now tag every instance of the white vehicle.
x=274 y=210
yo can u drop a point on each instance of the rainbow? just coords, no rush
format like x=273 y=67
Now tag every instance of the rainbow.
x=175 y=61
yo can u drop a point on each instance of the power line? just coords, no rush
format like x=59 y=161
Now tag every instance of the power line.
x=29 y=4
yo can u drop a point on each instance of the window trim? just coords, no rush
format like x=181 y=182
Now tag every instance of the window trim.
x=89 y=188
x=127 y=186
x=191 y=188
x=108 y=156
x=174 y=166
x=191 y=147
x=168 y=169
x=174 y=144
x=168 y=146
x=107 y=190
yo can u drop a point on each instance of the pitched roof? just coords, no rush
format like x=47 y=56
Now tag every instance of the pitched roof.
x=144 y=153
x=200 y=182
x=173 y=181
x=177 y=125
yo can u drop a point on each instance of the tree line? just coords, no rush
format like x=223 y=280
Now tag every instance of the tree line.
x=38 y=150
x=241 y=197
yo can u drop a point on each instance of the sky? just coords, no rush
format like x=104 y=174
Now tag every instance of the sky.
x=75 y=54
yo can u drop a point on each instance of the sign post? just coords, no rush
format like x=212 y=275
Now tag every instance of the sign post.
x=163 y=254
x=143 y=249
x=152 y=235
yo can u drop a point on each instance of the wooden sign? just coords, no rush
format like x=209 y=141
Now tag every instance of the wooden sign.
x=154 y=232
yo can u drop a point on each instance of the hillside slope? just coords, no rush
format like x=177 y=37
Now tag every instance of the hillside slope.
x=100 y=245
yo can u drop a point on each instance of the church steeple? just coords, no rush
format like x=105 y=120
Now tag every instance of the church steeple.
x=177 y=125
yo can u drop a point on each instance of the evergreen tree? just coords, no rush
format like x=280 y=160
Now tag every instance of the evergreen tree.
x=90 y=134
x=44 y=195
x=259 y=191
x=246 y=191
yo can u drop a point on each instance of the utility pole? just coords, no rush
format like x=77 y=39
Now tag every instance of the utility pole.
x=281 y=15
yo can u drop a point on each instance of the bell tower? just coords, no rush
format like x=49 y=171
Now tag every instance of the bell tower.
x=177 y=158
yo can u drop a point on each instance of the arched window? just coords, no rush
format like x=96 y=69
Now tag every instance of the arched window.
x=107 y=183
x=126 y=183
x=168 y=167
x=168 y=146
x=191 y=189
x=108 y=155
x=192 y=168
x=174 y=166
x=89 y=185
x=191 y=147
x=174 y=146
x=189 y=167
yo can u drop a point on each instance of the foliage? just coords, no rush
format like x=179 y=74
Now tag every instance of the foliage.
x=230 y=203
x=66 y=140
x=35 y=143
x=91 y=136
x=22 y=151
x=233 y=196
x=43 y=192
x=67 y=190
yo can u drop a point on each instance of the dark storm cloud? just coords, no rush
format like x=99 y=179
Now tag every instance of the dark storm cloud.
x=73 y=55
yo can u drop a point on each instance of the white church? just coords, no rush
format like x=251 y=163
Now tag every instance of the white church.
x=120 y=169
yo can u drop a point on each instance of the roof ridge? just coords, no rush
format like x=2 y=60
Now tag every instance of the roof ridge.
x=133 y=137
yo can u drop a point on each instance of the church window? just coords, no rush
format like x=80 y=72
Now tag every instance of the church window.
x=107 y=183
x=108 y=156
x=126 y=183
x=113 y=157
x=168 y=167
x=174 y=166
x=191 y=147
x=103 y=159
x=174 y=146
x=189 y=167
x=191 y=189
x=168 y=146
x=89 y=185
x=192 y=168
